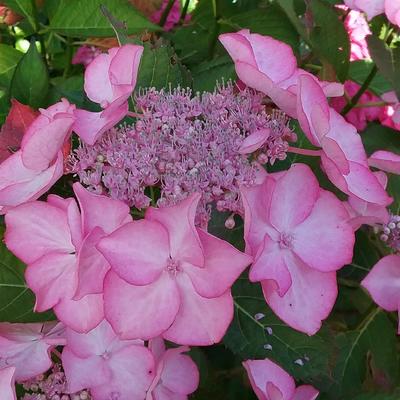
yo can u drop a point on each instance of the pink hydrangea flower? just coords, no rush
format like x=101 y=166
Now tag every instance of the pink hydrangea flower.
x=258 y=64
x=390 y=115
x=178 y=278
x=383 y=283
x=85 y=55
x=270 y=382
x=7 y=383
x=173 y=16
x=343 y=156
x=299 y=236
x=57 y=242
x=109 y=81
x=358 y=29
x=110 y=367
x=177 y=376
x=359 y=117
x=385 y=161
x=390 y=233
x=361 y=212
x=27 y=347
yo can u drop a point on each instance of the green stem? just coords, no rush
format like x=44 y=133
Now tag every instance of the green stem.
x=361 y=91
x=166 y=12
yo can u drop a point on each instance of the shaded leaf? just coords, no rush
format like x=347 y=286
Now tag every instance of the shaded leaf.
x=9 y=58
x=84 y=18
x=23 y=8
x=31 y=80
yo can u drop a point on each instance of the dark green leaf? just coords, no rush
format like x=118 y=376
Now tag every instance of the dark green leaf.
x=387 y=59
x=4 y=105
x=9 y=58
x=30 y=82
x=372 y=348
x=160 y=68
x=329 y=38
x=360 y=69
x=16 y=300
x=71 y=89
x=84 y=18
x=271 y=21
x=288 y=7
x=206 y=74
x=24 y=8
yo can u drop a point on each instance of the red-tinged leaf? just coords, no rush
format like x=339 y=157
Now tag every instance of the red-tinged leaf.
x=17 y=122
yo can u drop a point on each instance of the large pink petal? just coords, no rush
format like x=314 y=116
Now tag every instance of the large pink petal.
x=19 y=184
x=132 y=373
x=308 y=301
x=262 y=372
x=35 y=229
x=81 y=315
x=7 y=383
x=92 y=266
x=238 y=46
x=325 y=240
x=180 y=374
x=140 y=311
x=178 y=220
x=305 y=392
x=270 y=264
x=385 y=161
x=392 y=11
x=200 y=321
x=223 y=265
x=293 y=198
x=312 y=109
x=52 y=278
x=383 y=282
x=84 y=373
x=91 y=125
x=257 y=203
x=100 y=211
x=138 y=251
x=42 y=148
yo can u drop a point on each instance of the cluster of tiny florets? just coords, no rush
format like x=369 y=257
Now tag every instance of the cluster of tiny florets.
x=51 y=387
x=183 y=144
x=391 y=233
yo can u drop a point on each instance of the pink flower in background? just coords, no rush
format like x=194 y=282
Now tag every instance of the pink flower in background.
x=110 y=367
x=383 y=283
x=343 y=156
x=270 y=382
x=358 y=29
x=361 y=212
x=57 y=242
x=85 y=55
x=176 y=377
x=109 y=81
x=299 y=236
x=7 y=383
x=359 y=117
x=173 y=16
x=390 y=115
x=27 y=347
x=178 y=278
x=258 y=64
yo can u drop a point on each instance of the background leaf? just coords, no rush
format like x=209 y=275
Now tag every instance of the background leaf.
x=9 y=58
x=85 y=19
x=30 y=82
x=25 y=9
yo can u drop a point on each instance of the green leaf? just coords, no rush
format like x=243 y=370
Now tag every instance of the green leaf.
x=9 y=58
x=70 y=88
x=85 y=19
x=30 y=82
x=289 y=9
x=4 y=106
x=16 y=299
x=160 y=68
x=372 y=347
x=360 y=69
x=378 y=137
x=387 y=59
x=208 y=73
x=271 y=21
x=253 y=337
x=24 y=8
x=329 y=38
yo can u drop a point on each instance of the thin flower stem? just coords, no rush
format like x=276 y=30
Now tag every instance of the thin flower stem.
x=372 y=104
x=134 y=115
x=363 y=88
x=184 y=11
x=305 y=152
x=166 y=12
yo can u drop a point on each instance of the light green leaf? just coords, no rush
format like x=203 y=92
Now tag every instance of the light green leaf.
x=16 y=299
x=30 y=82
x=85 y=19
x=9 y=58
